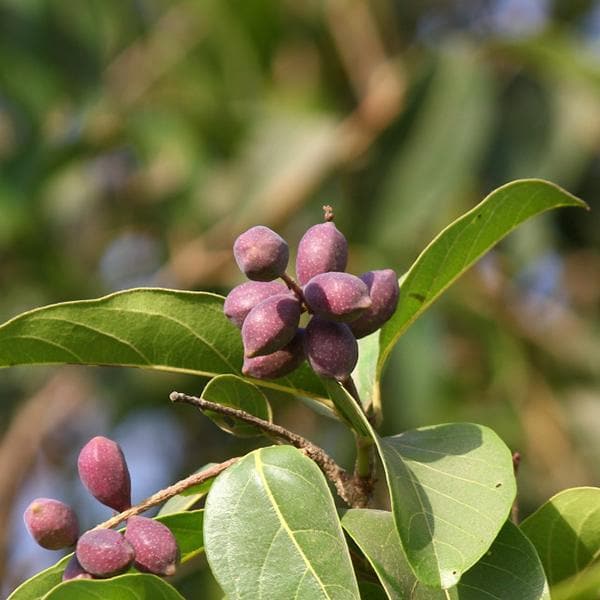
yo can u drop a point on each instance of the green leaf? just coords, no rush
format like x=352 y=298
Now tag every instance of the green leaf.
x=462 y=243
x=510 y=569
x=151 y=328
x=40 y=584
x=187 y=529
x=236 y=392
x=365 y=373
x=452 y=487
x=566 y=532
x=271 y=530
x=582 y=586
x=371 y=591
x=188 y=497
x=131 y=586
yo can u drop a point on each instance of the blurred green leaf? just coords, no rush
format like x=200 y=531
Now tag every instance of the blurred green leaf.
x=271 y=530
x=510 y=569
x=151 y=328
x=566 y=532
x=462 y=243
x=189 y=497
x=131 y=586
x=235 y=392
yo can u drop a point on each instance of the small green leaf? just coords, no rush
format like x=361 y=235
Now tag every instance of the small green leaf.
x=365 y=373
x=462 y=243
x=131 y=586
x=566 y=532
x=151 y=328
x=271 y=530
x=236 y=392
x=511 y=568
x=347 y=408
x=189 y=497
x=187 y=529
x=41 y=583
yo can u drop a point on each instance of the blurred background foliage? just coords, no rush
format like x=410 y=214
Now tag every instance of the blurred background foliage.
x=138 y=138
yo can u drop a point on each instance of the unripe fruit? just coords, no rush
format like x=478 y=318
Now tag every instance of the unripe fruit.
x=322 y=249
x=337 y=296
x=270 y=325
x=277 y=364
x=330 y=348
x=383 y=290
x=51 y=523
x=244 y=297
x=103 y=471
x=261 y=254
x=74 y=570
x=104 y=552
x=155 y=547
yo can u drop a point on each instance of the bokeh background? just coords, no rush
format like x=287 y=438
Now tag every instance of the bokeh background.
x=139 y=137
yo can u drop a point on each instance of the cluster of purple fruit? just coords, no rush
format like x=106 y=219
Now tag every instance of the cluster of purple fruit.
x=343 y=307
x=147 y=544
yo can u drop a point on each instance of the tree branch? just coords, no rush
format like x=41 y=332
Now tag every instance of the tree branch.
x=168 y=492
x=348 y=488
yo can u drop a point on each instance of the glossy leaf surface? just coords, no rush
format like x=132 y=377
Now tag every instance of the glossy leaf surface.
x=272 y=531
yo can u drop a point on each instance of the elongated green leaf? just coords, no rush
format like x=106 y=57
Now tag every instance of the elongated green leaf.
x=365 y=373
x=511 y=568
x=566 y=532
x=271 y=530
x=462 y=243
x=131 y=586
x=187 y=529
x=40 y=584
x=451 y=487
x=189 y=497
x=151 y=328
x=235 y=392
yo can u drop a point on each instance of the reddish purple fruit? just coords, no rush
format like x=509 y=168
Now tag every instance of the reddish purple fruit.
x=330 y=348
x=104 y=552
x=383 y=290
x=74 y=570
x=51 y=523
x=322 y=249
x=261 y=254
x=337 y=296
x=156 y=549
x=270 y=325
x=279 y=363
x=103 y=471
x=244 y=297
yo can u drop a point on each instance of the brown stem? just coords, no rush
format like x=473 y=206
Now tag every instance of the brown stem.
x=294 y=287
x=328 y=213
x=514 y=511
x=347 y=487
x=163 y=495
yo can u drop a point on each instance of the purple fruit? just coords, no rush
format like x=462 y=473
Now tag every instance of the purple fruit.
x=330 y=348
x=156 y=549
x=261 y=254
x=337 y=296
x=103 y=471
x=74 y=570
x=279 y=363
x=322 y=249
x=270 y=325
x=384 y=291
x=51 y=523
x=244 y=297
x=104 y=552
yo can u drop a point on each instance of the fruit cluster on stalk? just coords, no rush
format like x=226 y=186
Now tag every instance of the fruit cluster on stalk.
x=342 y=307
x=147 y=545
